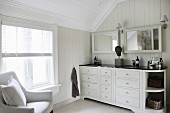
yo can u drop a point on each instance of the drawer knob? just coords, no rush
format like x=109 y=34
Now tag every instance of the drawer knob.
x=88 y=85
x=105 y=80
x=127 y=83
x=127 y=74
x=88 y=78
x=105 y=88
x=127 y=101
x=127 y=92
x=105 y=72
x=105 y=96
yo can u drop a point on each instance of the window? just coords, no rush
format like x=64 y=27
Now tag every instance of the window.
x=28 y=52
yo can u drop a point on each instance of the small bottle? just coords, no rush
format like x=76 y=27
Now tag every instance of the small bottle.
x=160 y=63
x=95 y=60
x=137 y=62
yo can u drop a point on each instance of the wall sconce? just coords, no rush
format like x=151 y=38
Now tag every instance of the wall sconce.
x=164 y=18
x=119 y=27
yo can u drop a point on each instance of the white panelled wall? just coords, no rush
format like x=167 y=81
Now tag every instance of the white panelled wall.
x=74 y=49
x=135 y=13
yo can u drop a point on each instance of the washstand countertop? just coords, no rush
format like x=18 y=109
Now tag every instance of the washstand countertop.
x=125 y=66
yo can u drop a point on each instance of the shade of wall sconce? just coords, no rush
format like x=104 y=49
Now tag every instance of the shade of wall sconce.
x=164 y=19
x=119 y=27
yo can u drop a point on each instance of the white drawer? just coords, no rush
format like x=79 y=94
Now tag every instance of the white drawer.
x=106 y=80
x=89 y=70
x=90 y=92
x=127 y=92
x=106 y=88
x=89 y=78
x=106 y=96
x=89 y=85
x=128 y=101
x=127 y=74
x=127 y=83
x=106 y=72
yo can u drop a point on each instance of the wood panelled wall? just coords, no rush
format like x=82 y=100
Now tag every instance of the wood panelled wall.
x=74 y=48
x=136 y=13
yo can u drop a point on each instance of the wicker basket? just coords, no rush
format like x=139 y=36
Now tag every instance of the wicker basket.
x=155 y=104
x=157 y=83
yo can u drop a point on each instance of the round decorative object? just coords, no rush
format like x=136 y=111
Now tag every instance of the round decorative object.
x=118 y=50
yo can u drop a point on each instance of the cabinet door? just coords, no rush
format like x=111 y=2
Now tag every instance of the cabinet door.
x=127 y=101
x=127 y=92
x=127 y=74
x=105 y=88
x=127 y=83
x=89 y=85
x=107 y=72
x=89 y=78
x=106 y=80
x=89 y=70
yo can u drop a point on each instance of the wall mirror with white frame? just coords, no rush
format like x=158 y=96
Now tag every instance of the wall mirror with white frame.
x=143 y=39
x=104 y=42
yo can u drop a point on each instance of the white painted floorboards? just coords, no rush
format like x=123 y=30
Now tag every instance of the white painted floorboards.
x=89 y=106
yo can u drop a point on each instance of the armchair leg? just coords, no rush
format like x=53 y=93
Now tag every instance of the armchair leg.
x=51 y=111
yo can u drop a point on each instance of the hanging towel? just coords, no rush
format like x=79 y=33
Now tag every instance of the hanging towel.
x=75 y=89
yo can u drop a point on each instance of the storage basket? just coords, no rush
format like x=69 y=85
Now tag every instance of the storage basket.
x=155 y=104
x=157 y=83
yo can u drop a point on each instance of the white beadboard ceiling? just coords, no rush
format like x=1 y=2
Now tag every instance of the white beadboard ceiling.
x=80 y=14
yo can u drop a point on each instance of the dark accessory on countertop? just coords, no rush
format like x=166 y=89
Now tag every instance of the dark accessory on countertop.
x=133 y=62
x=97 y=62
x=118 y=50
x=137 y=62
x=75 y=89
x=118 y=62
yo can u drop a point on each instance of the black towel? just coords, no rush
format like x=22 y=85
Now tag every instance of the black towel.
x=75 y=89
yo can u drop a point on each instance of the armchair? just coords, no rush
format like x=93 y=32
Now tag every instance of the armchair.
x=37 y=102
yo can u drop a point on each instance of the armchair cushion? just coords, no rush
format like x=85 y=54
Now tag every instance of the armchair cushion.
x=13 y=94
x=40 y=107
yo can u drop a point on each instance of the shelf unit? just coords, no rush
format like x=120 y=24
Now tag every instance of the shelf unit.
x=157 y=92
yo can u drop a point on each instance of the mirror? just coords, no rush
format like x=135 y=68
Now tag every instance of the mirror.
x=143 y=39
x=104 y=42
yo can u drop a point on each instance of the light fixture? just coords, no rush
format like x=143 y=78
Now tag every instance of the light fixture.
x=119 y=27
x=164 y=18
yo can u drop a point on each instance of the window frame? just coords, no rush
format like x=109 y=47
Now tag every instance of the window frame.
x=4 y=20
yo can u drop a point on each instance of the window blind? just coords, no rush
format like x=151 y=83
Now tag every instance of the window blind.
x=20 y=42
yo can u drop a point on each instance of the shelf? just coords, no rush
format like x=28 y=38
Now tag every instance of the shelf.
x=155 y=111
x=151 y=89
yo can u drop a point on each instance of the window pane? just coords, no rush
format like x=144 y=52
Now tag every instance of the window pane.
x=41 y=69
x=18 y=65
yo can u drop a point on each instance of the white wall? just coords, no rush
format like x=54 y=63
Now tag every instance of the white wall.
x=135 y=13
x=74 y=49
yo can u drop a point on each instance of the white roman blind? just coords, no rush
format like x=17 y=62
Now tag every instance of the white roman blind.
x=28 y=52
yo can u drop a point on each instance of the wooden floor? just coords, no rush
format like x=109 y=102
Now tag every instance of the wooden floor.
x=89 y=106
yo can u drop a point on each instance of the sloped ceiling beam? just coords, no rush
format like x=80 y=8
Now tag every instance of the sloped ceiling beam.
x=105 y=12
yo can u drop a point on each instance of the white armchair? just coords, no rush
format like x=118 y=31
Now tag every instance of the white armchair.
x=37 y=102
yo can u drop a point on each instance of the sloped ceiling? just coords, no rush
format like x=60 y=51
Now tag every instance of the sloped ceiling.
x=85 y=15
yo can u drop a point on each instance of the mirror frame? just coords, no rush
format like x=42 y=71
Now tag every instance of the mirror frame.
x=98 y=33
x=159 y=27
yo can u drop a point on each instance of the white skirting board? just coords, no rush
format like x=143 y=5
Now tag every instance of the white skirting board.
x=65 y=102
